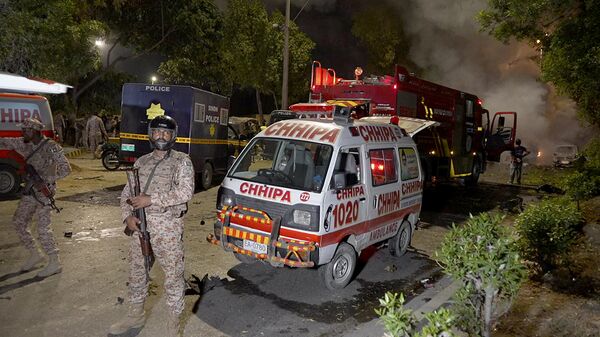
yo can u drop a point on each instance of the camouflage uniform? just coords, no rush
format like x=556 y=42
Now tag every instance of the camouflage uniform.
x=95 y=132
x=51 y=164
x=59 y=127
x=171 y=187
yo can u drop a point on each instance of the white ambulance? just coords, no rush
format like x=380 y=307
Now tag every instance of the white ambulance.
x=308 y=193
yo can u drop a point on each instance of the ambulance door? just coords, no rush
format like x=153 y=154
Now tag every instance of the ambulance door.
x=346 y=201
x=384 y=196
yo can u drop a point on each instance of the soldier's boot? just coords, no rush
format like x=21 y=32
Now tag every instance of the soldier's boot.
x=134 y=319
x=173 y=325
x=52 y=268
x=33 y=260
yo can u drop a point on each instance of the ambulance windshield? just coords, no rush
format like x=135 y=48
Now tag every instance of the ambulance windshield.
x=284 y=162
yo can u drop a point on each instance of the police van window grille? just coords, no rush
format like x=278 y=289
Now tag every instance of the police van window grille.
x=383 y=167
x=224 y=116
x=199 y=110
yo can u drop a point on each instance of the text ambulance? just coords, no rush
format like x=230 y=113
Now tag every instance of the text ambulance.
x=307 y=193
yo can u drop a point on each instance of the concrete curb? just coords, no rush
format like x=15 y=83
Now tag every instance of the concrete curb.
x=73 y=153
x=429 y=300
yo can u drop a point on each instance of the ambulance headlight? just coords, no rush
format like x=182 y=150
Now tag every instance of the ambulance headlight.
x=302 y=217
x=225 y=197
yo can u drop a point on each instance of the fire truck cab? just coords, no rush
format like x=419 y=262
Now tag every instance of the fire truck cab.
x=316 y=192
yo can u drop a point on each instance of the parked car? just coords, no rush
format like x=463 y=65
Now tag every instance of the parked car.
x=564 y=155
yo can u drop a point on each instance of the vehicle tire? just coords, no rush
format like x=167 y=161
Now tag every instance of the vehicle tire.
x=206 y=177
x=10 y=181
x=339 y=271
x=245 y=259
x=110 y=160
x=401 y=241
x=475 y=173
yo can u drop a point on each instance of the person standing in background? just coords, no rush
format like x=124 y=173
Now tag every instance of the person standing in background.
x=96 y=133
x=60 y=127
x=516 y=161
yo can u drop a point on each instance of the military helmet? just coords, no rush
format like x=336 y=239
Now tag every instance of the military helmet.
x=32 y=123
x=162 y=124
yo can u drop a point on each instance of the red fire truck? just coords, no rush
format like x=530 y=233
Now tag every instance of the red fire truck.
x=457 y=137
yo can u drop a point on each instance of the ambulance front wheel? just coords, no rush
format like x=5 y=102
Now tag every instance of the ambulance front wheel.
x=10 y=181
x=339 y=271
x=207 y=176
x=401 y=241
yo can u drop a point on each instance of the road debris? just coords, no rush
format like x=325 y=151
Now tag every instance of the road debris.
x=391 y=268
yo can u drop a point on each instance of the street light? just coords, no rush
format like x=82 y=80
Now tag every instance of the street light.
x=286 y=52
x=286 y=57
x=99 y=43
x=153 y=79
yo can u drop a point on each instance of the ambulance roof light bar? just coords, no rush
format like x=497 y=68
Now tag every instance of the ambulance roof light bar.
x=19 y=84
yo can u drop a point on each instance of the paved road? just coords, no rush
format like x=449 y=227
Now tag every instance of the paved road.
x=243 y=300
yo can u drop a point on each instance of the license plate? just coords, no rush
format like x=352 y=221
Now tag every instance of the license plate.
x=255 y=247
x=128 y=147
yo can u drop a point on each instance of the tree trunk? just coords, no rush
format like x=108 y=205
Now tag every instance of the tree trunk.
x=488 y=309
x=275 y=100
x=259 y=106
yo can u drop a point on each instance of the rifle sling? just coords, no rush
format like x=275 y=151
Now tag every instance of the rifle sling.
x=152 y=172
x=36 y=149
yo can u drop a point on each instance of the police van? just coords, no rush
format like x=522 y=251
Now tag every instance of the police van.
x=202 y=120
x=315 y=193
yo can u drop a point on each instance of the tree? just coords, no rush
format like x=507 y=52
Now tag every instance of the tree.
x=186 y=32
x=379 y=30
x=49 y=39
x=566 y=33
x=252 y=49
x=483 y=256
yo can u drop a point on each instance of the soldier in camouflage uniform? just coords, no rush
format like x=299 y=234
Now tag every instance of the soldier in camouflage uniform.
x=48 y=159
x=166 y=185
x=96 y=133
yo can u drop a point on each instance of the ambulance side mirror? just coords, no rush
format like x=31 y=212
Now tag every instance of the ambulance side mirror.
x=339 y=180
x=230 y=161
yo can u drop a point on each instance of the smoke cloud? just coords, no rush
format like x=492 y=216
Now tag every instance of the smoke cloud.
x=446 y=42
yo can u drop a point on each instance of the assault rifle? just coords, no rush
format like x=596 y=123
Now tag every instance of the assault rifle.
x=134 y=188
x=34 y=180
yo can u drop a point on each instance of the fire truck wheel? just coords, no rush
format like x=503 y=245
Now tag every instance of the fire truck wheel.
x=10 y=181
x=243 y=258
x=400 y=242
x=475 y=172
x=207 y=176
x=339 y=271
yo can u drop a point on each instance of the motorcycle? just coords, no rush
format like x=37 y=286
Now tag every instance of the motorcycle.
x=110 y=156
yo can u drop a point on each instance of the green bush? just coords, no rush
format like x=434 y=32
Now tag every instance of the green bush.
x=592 y=154
x=483 y=255
x=547 y=232
x=581 y=185
x=400 y=322
x=584 y=183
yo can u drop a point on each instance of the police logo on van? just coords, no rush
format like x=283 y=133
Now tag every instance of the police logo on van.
x=154 y=110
